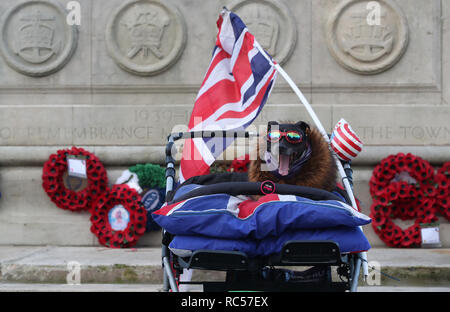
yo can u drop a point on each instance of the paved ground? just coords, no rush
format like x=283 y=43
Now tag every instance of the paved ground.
x=21 y=287
x=134 y=268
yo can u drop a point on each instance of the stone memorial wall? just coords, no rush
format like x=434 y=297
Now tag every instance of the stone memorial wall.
x=116 y=76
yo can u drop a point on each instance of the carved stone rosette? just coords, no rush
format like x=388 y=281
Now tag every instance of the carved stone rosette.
x=146 y=37
x=35 y=38
x=367 y=37
x=272 y=24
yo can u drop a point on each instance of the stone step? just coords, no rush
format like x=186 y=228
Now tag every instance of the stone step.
x=58 y=265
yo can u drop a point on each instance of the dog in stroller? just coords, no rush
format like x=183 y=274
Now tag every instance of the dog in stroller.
x=304 y=223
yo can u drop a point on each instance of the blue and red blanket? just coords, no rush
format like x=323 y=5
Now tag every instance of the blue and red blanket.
x=259 y=228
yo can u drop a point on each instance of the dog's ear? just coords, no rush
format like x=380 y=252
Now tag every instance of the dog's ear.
x=303 y=125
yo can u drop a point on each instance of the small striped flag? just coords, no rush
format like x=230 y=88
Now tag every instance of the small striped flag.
x=345 y=142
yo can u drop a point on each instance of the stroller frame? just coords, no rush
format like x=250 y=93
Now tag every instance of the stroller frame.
x=244 y=273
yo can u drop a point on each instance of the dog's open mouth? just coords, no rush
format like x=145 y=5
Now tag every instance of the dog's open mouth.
x=285 y=163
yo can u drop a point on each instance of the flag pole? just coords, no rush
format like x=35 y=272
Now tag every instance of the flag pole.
x=322 y=130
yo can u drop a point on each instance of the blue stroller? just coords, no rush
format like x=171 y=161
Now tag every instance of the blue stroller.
x=333 y=253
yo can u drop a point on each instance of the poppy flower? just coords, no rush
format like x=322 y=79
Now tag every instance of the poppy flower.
x=388 y=232
x=407 y=240
x=383 y=198
x=445 y=169
x=118 y=236
x=379 y=190
x=442 y=181
x=411 y=212
x=443 y=202
x=442 y=205
x=429 y=190
x=377 y=171
x=418 y=170
x=426 y=215
x=401 y=165
x=388 y=174
x=403 y=189
x=442 y=193
x=416 y=234
x=393 y=191
x=376 y=207
x=378 y=220
x=412 y=192
x=240 y=164
x=129 y=236
x=386 y=210
x=398 y=238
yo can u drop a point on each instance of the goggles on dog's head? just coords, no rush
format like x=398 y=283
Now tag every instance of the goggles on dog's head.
x=291 y=136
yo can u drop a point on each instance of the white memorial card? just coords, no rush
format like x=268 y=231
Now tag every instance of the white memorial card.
x=430 y=235
x=76 y=166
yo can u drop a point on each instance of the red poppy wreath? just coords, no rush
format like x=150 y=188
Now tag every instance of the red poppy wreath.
x=118 y=218
x=442 y=184
x=73 y=193
x=402 y=186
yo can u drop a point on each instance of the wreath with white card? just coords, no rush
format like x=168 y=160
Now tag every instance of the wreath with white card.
x=74 y=178
x=118 y=217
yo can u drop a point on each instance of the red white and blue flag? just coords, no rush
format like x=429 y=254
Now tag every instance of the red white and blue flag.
x=237 y=84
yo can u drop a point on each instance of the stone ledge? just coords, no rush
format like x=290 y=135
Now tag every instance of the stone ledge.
x=130 y=155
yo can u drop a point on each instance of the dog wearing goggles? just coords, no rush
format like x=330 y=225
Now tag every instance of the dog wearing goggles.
x=294 y=153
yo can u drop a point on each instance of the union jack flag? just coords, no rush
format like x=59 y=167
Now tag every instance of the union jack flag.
x=237 y=84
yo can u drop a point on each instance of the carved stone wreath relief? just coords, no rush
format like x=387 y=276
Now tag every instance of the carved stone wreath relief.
x=35 y=38
x=271 y=23
x=367 y=37
x=146 y=37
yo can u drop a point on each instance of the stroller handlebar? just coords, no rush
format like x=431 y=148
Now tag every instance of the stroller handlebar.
x=256 y=188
